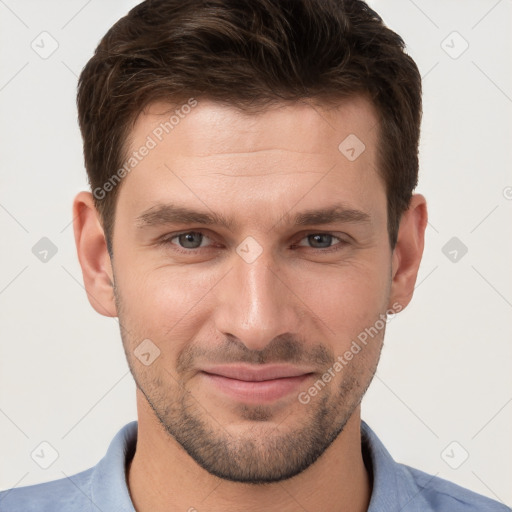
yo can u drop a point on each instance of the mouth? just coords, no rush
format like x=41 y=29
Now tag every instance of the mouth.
x=255 y=384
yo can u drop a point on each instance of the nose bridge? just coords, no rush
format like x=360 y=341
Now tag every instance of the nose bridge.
x=255 y=305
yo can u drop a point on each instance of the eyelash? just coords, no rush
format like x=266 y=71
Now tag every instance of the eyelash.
x=167 y=240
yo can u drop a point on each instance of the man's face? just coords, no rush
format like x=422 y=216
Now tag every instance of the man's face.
x=264 y=292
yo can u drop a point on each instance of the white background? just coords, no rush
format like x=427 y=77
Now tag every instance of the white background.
x=445 y=373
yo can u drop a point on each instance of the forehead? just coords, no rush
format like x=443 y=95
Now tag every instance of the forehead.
x=305 y=126
x=214 y=155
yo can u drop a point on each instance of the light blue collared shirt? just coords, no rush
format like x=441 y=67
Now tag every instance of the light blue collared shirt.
x=103 y=488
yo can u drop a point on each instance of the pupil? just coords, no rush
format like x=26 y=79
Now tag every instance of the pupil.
x=318 y=237
x=187 y=238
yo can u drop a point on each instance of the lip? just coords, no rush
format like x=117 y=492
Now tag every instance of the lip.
x=248 y=383
x=255 y=373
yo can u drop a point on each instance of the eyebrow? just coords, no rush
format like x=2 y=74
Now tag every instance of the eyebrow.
x=164 y=214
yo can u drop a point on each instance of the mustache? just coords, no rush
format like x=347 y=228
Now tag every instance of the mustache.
x=282 y=349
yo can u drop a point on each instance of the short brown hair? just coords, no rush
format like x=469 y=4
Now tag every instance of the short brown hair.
x=249 y=54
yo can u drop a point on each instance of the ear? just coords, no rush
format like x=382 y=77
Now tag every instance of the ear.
x=93 y=255
x=408 y=251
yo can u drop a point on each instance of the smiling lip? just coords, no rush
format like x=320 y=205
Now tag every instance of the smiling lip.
x=256 y=384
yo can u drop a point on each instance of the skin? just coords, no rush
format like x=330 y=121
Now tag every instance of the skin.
x=198 y=448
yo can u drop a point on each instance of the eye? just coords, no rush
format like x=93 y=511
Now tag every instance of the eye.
x=323 y=241
x=189 y=240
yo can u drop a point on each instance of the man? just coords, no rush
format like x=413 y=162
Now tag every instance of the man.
x=253 y=226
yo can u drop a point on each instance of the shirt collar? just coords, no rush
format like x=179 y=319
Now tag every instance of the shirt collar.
x=109 y=490
x=392 y=486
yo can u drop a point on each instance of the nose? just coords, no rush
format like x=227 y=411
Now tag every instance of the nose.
x=256 y=303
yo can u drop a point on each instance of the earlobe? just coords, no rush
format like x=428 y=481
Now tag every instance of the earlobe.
x=93 y=255
x=408 y=251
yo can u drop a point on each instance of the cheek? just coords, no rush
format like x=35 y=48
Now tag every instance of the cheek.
x=348 y=299
x=164 y=304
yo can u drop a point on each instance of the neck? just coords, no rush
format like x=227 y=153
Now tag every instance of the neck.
x=162 y=477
